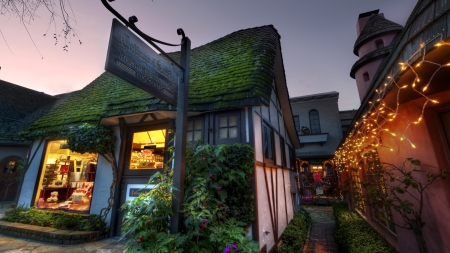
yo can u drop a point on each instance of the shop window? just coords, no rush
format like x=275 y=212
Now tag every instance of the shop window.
x=314 y=122
x=147 y=151
x=297 y=123
x=66 y=180
x=194 y=130
x=379 y=44
x=366 y=76
x=268 y=143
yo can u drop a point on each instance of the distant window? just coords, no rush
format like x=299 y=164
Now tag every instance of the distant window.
x=379 y=44
x=366 y=77
x=297 y=123
x=268 y=142
x=194 y=130
x=314 y=122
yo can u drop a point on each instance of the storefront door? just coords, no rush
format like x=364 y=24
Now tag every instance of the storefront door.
x=145 y=155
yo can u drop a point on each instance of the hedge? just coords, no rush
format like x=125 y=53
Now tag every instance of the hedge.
x=355 y=235
x=294 y=235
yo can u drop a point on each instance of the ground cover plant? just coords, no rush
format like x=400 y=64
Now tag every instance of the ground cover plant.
x=295 y=233
x=218 y=205
x=355 y=235
x=57 y=219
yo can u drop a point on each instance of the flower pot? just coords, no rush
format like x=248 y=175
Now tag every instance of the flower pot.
x=306 y=131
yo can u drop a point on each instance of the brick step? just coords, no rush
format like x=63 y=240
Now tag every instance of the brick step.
x=47 y=234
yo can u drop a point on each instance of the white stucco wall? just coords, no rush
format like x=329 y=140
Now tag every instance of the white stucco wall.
x=103 y=180
x=29 y=180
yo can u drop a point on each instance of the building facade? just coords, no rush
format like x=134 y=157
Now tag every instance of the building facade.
x=317 y=122
x=404 y=115
x=237 y=94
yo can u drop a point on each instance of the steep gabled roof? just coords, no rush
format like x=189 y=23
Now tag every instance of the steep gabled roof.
x=19 y=107
x=376 y=25
x=233 y=71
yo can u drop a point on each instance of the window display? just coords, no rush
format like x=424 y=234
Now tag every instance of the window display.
x=147 y=150
x=67 y=179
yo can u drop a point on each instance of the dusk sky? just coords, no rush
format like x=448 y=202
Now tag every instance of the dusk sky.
x=317 y=38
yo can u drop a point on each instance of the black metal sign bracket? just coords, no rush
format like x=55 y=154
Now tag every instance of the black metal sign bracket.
x=130 y=23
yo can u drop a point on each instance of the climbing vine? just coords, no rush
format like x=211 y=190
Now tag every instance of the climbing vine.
x=86 y=138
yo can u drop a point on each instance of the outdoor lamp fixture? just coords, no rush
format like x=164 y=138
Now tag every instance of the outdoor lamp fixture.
x=266 y=232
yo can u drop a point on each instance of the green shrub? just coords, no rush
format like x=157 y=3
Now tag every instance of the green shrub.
x=60 y=220
x=295 y=233
x=218 y=205
x=355 y=235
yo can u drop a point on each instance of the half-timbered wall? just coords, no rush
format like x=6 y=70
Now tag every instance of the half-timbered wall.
x=275 y=192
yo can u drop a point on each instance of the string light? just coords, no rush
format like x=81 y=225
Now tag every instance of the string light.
x=367 y=131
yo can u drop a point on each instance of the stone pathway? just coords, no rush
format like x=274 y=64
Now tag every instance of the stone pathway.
x=10 y=244
x=321 y=238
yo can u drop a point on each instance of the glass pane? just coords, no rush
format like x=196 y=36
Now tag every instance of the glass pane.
x=222 y=121
x=198 y=124
x=189 y=136
x=223 y=133
x=232 y=131
x=197 y=135
x=67 y=179
x=232 y=120
x=190 y=125
x=147 y=150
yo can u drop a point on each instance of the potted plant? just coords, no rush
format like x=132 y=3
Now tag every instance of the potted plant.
x=305 y=130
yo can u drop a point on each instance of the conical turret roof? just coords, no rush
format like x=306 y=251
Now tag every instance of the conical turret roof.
x=376 y=25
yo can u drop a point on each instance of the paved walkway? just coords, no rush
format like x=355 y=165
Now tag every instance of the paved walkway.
x=10 y=244
x=321 y=237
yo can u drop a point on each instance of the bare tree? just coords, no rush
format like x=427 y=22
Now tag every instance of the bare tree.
x=56 y=10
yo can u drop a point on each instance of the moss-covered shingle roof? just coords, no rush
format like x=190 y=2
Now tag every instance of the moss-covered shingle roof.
x=19 y=107
x=233 y=71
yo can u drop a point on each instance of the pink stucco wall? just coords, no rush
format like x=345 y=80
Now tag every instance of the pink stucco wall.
x=436 y=212
x=370 y=68
x=370 y=45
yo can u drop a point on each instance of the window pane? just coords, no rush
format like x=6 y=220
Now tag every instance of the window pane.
x=147 y=150
x=190 y=125
x=232 y=120
x=232 y=131
x=198 y=124
x=189 y=136
x=223 y=133
x=222 y=121
x=197 y=135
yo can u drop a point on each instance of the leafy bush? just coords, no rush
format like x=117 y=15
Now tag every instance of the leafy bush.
x=295 y=233
x=218 y=205
x=60 y=220
x=355 y=235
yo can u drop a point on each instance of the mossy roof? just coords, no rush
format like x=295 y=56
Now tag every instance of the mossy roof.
x=19 y=108
x=234 y=71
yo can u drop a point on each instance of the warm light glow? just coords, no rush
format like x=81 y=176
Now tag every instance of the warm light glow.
x=359 y=137
x=438 y=44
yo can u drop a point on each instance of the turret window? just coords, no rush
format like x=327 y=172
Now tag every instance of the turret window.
x=366 y=76
x=379 y=44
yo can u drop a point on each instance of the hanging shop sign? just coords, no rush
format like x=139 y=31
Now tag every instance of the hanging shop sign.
x=134 y=61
